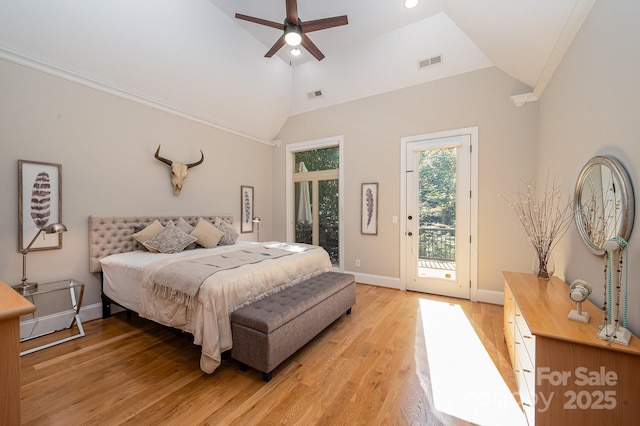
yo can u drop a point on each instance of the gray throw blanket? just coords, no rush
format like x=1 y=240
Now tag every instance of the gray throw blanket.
x=181 y=280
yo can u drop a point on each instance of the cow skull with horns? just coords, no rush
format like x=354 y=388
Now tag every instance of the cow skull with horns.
x=178 y=170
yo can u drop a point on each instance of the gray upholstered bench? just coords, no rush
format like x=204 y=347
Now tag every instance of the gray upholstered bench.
x=269 y=330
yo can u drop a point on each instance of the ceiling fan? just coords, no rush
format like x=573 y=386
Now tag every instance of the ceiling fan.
x=295 y=30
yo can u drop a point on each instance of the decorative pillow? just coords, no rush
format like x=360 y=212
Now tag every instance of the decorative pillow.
x=186 y=227
x=148 y=232
x=207 y=234
x=230 y=235
x=170 y=240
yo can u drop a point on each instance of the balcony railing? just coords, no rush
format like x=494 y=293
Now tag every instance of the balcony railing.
x=437 y=243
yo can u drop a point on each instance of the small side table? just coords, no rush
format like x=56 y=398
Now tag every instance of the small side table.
x=76 y=301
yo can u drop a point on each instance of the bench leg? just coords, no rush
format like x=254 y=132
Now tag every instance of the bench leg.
x=243 y=366
x=266 y=376
x=349 y=311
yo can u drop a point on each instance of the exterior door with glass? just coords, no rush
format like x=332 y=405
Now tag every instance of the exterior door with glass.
x=438 y=222
x=316 y=195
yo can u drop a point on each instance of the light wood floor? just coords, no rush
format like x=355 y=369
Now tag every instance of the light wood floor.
x=360 y=370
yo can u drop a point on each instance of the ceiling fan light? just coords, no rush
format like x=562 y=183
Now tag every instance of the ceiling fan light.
x=295 y=52
x=410 y=4
x=292 y=36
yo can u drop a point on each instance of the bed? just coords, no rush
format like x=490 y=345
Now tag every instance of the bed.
x=131 y=277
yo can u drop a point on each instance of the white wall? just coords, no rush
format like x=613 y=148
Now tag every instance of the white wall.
x=372 y=128
x=188 y=56
x=106 y=146
x=590 y=108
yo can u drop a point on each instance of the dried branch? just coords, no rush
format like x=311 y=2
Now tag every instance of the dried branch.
x=544 y=216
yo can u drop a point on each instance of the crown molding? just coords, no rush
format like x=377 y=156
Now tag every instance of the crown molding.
x=578 y=15
x=46 y=67
x=520 y=100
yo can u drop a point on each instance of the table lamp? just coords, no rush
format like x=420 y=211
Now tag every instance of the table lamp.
x=257 y=221
x=26 y=286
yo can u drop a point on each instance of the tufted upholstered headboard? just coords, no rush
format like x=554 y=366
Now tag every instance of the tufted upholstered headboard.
x=113 y=234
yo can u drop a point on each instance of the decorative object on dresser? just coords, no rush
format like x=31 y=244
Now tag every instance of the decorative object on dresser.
x=179 y=170
x=545 y=218
x=611 y=330
x=246 y=209
x=565 y=374
x=604 y=204
x=579 y=290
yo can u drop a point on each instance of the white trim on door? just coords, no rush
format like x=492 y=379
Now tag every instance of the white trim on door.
x=473 y=262
x=307 y=146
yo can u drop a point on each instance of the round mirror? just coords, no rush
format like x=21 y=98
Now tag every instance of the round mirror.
x=603 y=202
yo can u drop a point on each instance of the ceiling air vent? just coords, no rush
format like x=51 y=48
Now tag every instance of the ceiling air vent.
x=314 y=94
x=430 y=61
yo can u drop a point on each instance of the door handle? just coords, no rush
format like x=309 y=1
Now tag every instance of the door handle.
x=410 y=217
x=409 y=233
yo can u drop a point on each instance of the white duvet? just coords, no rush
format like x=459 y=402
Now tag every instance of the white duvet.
x=219 y=295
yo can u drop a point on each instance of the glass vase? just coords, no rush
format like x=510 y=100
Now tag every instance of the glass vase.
x=543 y=266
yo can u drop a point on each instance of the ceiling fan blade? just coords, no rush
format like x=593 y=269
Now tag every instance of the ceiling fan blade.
x=260 y=21
x=312 y=48
x=292 y=12
x=323 y=24
x=277 y=46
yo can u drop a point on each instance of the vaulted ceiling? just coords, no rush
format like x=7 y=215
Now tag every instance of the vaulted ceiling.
x=194 y=59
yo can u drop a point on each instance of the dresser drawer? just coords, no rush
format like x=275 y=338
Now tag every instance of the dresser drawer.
x=525 y=365
x=523 y=335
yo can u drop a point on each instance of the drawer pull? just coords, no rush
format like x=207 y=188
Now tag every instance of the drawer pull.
x=517 y=343
x=527 y=337
x=528 y=405
x=526 y=371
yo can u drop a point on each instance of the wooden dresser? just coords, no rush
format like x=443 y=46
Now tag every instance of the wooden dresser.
x=565 y=374
x=12 y=306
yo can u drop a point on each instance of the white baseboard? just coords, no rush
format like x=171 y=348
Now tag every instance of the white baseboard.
x=40 y=326
x=491 y=296
x=378 y=280
x=91 y=312
x=486 y=296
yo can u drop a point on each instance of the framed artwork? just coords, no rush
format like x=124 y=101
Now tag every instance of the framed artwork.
x=246 y=209
x=369 y=209
x=39 y=203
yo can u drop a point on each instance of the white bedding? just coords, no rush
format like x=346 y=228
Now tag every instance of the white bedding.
x=127 y=282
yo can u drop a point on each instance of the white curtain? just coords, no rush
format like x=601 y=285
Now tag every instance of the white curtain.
x=304 y=199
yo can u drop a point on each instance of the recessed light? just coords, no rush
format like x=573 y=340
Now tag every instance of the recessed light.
x=410 y=4
x=295 y=52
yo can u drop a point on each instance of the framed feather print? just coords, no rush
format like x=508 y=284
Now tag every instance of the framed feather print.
x=246 y=209
x=39 y=203
x=369 y=210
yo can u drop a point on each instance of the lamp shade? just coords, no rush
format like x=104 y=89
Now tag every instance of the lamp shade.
x=55 y=228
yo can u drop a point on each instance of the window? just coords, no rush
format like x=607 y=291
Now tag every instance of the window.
x=314 y=196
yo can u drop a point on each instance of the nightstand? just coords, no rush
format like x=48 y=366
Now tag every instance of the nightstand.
x=76 y=291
